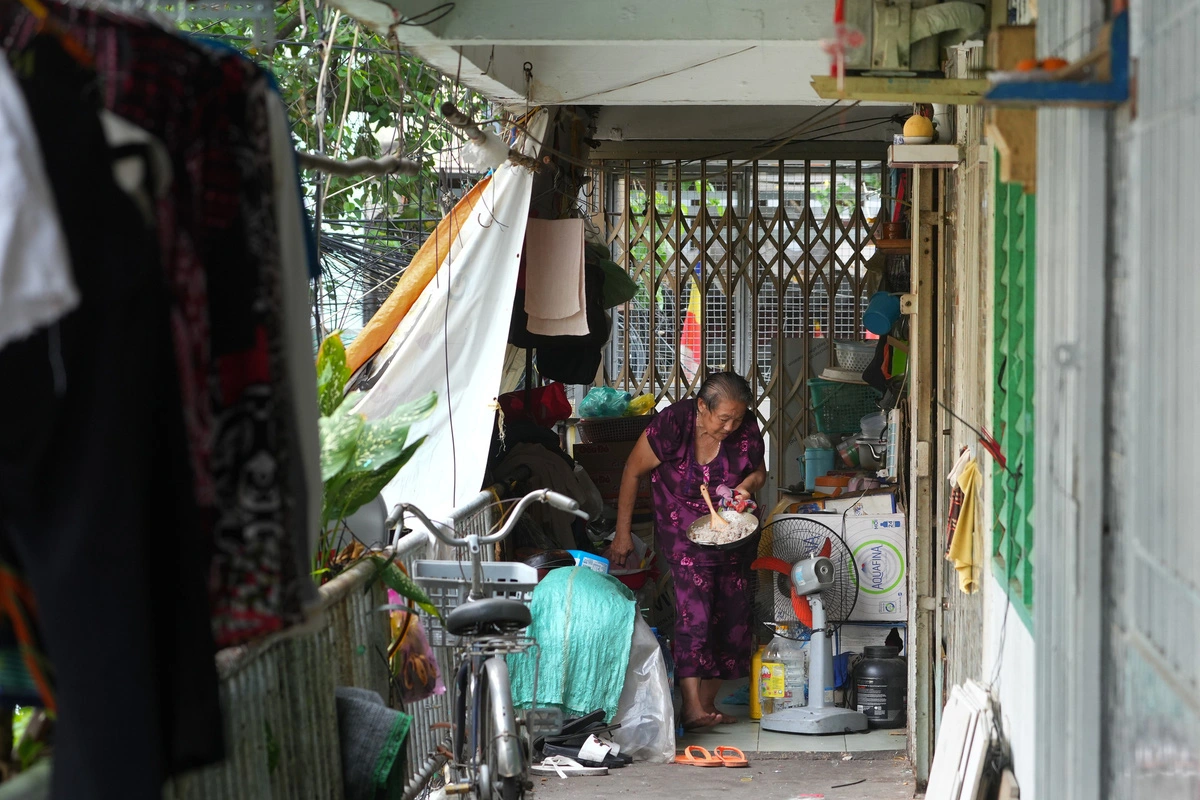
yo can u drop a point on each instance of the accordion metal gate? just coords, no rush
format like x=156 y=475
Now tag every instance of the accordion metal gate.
x=743 y=266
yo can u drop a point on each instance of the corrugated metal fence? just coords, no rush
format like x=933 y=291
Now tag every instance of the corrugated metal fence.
x=1070 y=381
x=1152 y=675
x=278 y=695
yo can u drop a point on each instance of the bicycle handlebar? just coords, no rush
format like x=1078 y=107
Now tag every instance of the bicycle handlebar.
x=554 y=499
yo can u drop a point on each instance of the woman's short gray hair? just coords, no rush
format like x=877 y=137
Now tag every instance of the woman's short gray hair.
x=722 y=386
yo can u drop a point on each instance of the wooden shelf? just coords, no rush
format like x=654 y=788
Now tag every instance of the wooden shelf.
x=1108 y=62
x=894 y=245
x=949 y=91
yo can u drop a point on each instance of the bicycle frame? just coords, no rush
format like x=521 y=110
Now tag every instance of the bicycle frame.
x=483 y=674
x=474 y=542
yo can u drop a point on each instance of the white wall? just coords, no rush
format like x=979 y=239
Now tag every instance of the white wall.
x=1011 y=643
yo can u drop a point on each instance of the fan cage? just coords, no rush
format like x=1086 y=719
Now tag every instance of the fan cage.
x=804 y=538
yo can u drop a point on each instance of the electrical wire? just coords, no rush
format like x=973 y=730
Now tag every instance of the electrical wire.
x=843 y=132
x=779 y=141
x=706 y=62
x=427 y=17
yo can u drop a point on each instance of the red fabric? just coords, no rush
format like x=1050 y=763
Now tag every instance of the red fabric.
x=548 y=405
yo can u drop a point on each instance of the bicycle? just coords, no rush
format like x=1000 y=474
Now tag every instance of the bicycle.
x=489 y=758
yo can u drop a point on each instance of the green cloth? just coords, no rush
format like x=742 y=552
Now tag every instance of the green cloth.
x=618 y=286
x=583 y=623
x=372 y=744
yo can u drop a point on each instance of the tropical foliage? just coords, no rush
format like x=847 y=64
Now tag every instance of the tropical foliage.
x=350 y=93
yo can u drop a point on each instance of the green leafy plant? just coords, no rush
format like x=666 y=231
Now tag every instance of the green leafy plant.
x=359 y=457
x=398 y=581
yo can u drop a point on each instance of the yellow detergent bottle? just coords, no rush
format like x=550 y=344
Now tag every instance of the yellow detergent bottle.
x=755 y=677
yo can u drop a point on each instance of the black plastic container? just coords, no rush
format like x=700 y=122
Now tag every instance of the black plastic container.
x=881 y=687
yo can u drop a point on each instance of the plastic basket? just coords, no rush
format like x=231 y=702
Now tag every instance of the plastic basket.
x=448 y=583
x=840 y=407
x=617 y=429
x=854 y=355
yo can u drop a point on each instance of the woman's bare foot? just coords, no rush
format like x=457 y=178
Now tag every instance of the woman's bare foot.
x=722 y=719
x=700 y=721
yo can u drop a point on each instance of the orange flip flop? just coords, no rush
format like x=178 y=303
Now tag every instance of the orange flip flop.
x=731 y=756
x=696 y=756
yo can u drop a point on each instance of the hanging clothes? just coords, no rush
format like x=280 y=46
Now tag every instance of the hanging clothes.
x=554 y=283
x=570 y=359
x=963 y=545
x=220 y=249
x=36 y=287
x=97 y=472
x=159 y=483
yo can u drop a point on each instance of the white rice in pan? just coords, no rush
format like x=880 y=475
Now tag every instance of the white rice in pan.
x=740 y=526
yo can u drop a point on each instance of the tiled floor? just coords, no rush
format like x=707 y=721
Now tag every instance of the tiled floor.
x=748 y=737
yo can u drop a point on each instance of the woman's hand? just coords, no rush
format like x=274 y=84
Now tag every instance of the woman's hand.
x=641 y=461
x=754 y=481
x=620 y=550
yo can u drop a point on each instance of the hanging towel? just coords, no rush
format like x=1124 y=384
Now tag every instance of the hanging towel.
x=372 y=739
x=583 y=623
x=36 y=284
x=554 y=281
x=964 y=549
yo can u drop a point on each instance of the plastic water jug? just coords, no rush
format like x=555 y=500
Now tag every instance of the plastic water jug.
x=817 y=463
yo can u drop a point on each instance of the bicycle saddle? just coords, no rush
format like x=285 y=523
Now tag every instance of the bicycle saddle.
x=489 y=616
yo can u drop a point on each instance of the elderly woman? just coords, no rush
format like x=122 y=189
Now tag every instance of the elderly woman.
x=711 y=440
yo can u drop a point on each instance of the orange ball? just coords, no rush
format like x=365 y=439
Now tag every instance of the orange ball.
x=1026 y=65
x=1052 y=64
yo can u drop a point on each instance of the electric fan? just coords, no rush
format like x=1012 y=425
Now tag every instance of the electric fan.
x=814 y=585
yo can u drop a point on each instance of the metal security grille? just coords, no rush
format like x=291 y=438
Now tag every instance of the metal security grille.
x=740 y=266
x=1012 y=541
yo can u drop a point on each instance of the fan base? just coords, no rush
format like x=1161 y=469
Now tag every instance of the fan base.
x=815 y=721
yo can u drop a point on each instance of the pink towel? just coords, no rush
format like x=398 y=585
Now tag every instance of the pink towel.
x=554 y=286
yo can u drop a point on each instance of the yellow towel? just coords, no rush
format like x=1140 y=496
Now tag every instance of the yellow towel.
x=965 y=548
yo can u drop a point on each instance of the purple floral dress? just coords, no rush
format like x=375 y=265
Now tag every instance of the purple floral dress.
x=712 y=587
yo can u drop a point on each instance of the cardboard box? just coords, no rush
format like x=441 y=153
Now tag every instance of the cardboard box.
x=605 y=464
x=876 y=503
x=880 y=546
x=852 y=637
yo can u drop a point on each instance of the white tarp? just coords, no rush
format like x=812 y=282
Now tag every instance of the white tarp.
x=453 y=342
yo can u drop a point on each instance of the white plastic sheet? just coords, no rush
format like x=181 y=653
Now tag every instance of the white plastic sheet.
x=453 y=342
x=645 y=712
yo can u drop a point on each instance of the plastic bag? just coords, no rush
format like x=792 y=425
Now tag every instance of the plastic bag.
x=592 y=502
x=818 y=441
x=603 y=402
x=413 y=663
x=640 y=405
x=645 y=711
